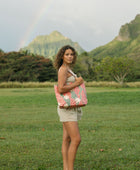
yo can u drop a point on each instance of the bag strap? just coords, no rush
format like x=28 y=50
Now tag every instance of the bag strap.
x=70 y=71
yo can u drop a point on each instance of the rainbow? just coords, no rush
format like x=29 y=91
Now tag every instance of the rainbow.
x=41 y=12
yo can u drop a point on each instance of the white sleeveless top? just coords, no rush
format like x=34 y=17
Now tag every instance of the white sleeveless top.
x=72 y=77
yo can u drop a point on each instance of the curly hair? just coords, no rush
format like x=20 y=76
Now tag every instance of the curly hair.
x=58 y=59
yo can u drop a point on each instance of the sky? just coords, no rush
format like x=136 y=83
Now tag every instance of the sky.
x=91 y=23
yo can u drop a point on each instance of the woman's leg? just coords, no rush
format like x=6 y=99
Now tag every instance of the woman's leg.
x=73 y=131
x=65 y=147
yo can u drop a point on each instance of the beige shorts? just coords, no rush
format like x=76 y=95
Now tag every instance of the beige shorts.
x=71 y=114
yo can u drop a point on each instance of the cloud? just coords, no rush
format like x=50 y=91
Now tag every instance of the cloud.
x=91 y=23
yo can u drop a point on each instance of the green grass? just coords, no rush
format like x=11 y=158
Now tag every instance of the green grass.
x=31 y=134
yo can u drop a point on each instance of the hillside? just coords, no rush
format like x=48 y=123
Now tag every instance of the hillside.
x=48 y=45
x=127 y=43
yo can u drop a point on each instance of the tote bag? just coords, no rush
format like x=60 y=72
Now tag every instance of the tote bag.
x=77 y=97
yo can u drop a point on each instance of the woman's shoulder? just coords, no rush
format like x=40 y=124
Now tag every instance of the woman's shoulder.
x=63 y=69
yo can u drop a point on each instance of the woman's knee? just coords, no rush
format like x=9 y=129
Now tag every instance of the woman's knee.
x=77 y=140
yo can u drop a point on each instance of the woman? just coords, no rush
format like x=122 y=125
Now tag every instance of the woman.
x=65 y=58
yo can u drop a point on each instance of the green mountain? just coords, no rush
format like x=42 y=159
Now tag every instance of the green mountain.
x=127 y=43
x=48 y=45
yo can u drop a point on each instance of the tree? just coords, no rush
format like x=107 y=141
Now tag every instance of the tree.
x=116 y=67
x=1 y=51
x=18 y=66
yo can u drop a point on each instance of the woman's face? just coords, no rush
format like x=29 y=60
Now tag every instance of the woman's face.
x=68 y=57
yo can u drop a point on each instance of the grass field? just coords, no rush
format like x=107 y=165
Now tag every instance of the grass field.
x=31 y=134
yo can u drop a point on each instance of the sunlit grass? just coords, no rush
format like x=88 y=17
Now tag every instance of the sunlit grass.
x=31 y=134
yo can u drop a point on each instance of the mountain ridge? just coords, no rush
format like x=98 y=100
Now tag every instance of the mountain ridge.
x=130 y=30
x=127 y=43
x=48 y=45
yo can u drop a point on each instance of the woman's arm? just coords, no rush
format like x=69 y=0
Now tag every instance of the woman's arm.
x=62 y=77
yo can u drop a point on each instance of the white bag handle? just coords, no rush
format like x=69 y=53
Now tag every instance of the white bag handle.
x=70 y=71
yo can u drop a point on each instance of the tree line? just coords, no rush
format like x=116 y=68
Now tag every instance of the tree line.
x=25 y=67
x=120 y=69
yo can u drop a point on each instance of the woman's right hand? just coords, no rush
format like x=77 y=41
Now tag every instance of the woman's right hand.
x=79 y=80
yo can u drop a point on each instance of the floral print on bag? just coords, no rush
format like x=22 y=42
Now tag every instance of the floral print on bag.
x=77 y=97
